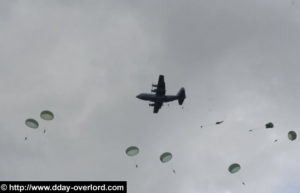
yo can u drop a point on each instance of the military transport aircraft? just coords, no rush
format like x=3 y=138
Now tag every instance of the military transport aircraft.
x=160 y=96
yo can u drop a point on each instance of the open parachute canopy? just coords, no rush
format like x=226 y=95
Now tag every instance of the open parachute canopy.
x=47 y=115
x=233 y=168
x=32 y=123
x=165 y=157
x=292 y=135
x=132 y=151
x=269 y=125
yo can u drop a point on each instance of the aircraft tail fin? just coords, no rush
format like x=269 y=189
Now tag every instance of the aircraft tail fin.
x=181 y=96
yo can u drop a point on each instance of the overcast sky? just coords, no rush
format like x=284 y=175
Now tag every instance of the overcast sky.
x=87 y=60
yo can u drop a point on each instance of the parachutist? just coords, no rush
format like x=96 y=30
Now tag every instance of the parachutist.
x=275 y=140
x=174 y=171
x=244 y=183
x=44 y=130
x=132 y=151
x=250 y=130
x=25 y=138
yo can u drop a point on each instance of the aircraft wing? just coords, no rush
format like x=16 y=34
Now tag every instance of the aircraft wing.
x=161 y=86
x=157 y=106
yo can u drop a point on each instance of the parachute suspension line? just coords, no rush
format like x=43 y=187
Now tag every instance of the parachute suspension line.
x=132 y=151
x=166 y=157
x=26 y=134
x=173 y=168
x=136 y=162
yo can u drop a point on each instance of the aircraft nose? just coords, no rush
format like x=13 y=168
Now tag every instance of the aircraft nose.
x=138 y=96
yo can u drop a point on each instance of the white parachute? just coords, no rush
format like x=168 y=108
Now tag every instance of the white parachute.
x=47 y=115
x=292 y=135
x=233 y=168
x=32 y=123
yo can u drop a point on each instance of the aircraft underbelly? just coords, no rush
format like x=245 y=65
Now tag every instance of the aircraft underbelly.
x=170 y=98
x=163 y=99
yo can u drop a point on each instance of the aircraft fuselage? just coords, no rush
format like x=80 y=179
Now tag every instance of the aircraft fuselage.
x=155 y=98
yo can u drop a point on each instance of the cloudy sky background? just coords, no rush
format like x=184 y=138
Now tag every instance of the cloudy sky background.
x=87 y=60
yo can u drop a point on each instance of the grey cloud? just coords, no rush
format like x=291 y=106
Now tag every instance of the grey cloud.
x=86 y=61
